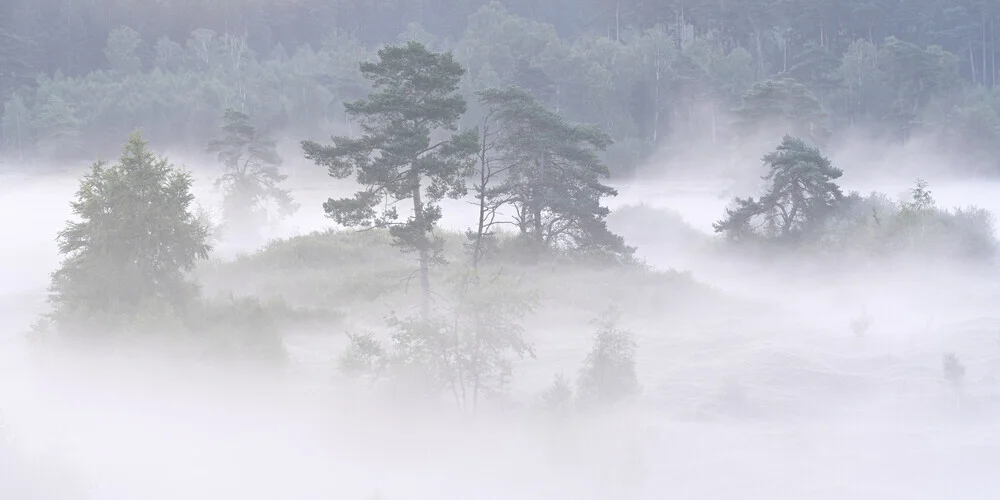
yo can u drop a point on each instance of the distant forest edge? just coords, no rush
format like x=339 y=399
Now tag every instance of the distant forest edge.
x=77 y=76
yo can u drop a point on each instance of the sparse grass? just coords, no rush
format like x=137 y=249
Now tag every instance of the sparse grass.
x=362 y=274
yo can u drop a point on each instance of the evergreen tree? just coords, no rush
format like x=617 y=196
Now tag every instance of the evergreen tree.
x=134 y=239
x=553 y=174
x=399 y=155
x=251 y=175
x=801 y=195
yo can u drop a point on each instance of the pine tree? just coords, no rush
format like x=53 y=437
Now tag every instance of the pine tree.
x=399 y=155
x=801 y=195
x=251 y=178
x=553 y=174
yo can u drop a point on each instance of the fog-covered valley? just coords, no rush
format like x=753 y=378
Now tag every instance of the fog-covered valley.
x=756 y=390
x=478 y=249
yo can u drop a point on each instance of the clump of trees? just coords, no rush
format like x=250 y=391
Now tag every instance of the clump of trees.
x=803 y=207
x=531 y=170
x=129 y=257
x=552 y=174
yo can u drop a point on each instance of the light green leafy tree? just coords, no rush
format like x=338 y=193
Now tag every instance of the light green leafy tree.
x=132 y=243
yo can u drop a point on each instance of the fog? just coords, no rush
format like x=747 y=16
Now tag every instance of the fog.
x=786 y=403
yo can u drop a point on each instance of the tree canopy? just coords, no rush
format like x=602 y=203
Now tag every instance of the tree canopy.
x=650 y=75
x=801 y=194
x=552 y=174
x=251 y=177
x=408 y=149
x=134 y=239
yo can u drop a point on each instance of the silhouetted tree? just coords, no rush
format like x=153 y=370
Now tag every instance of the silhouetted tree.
x=801 y=195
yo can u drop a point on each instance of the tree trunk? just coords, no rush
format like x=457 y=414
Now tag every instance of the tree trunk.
x=983 y=72
x=20 y=148
x=972 y=62
x=618 y=8
x=424 y=251
x=656 y=101
x=536 y=206
x=477 y=249
x=715 y=125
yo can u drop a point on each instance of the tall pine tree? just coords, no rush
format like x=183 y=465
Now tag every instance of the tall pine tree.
x=408 y=150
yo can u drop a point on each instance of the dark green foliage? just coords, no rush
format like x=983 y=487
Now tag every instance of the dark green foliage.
x=650 y=76
x=785 y=105
x=800 y=197
x=552 y=175
x=134 y=239
x=251 y=177
x=396 y=158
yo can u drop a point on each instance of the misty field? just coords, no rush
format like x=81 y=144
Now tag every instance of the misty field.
x=747 y=375
x=480 y=249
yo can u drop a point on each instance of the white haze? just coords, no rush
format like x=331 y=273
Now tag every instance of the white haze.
x=836 y=418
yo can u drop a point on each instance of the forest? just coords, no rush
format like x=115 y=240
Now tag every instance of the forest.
x=78 y=76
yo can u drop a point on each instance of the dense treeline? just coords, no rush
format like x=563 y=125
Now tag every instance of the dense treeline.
x=75 y=77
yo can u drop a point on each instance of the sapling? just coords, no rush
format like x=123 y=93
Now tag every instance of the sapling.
x=861 y=324
x=954 y=373
x=608 y=374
